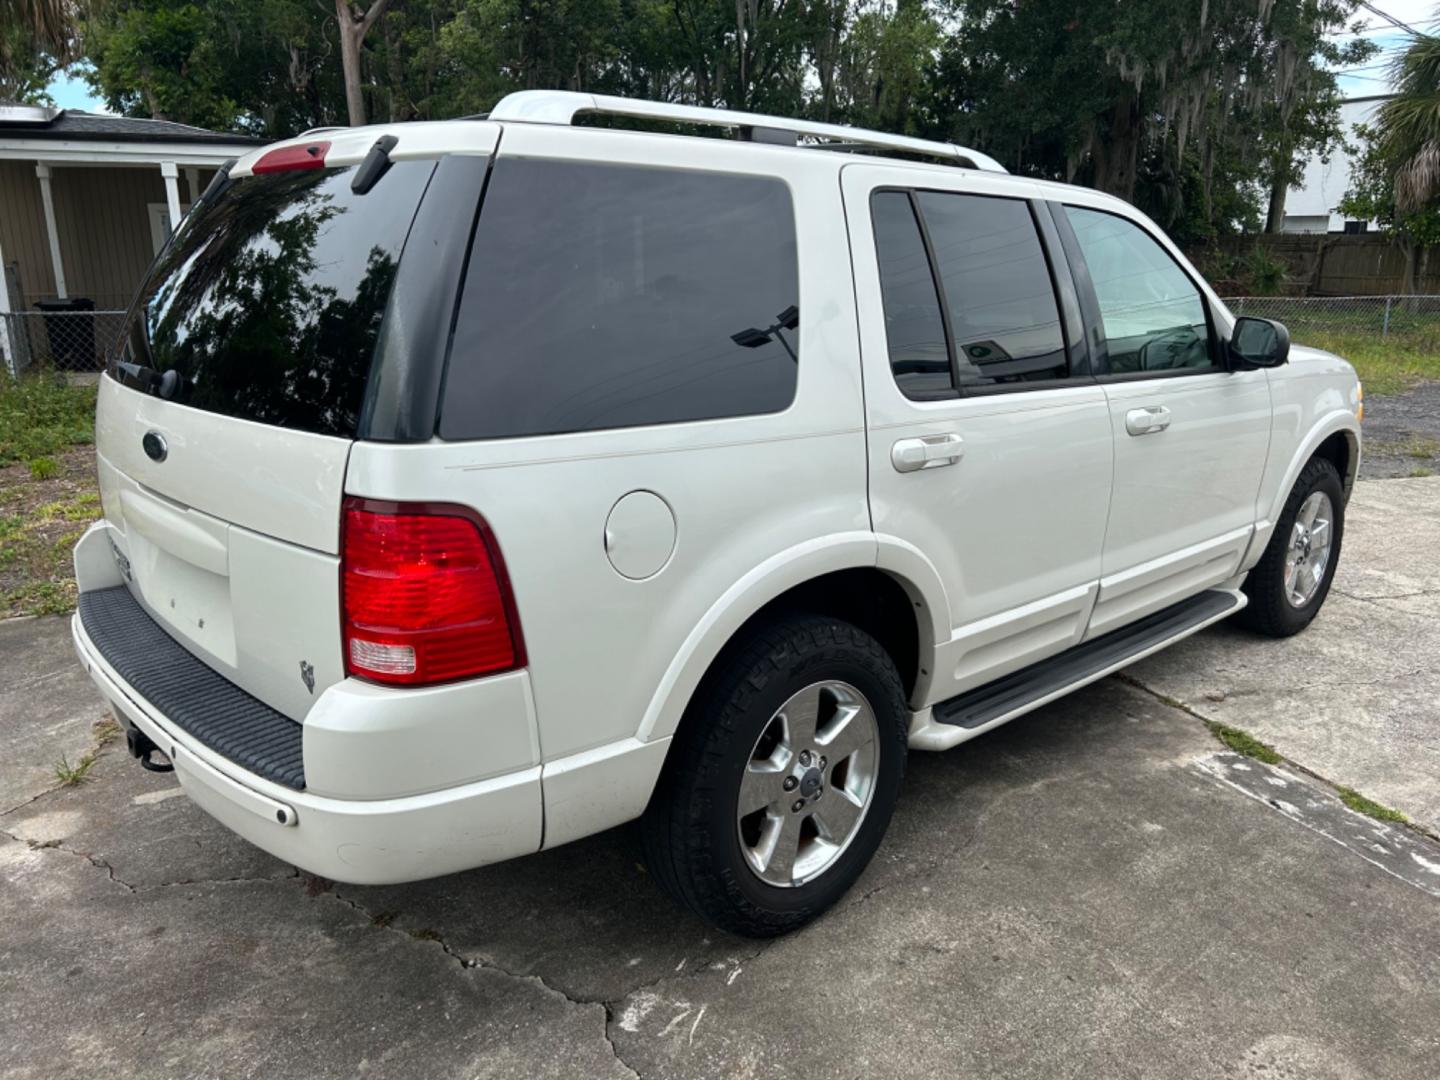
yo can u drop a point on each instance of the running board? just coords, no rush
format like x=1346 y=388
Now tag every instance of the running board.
x=969 y=714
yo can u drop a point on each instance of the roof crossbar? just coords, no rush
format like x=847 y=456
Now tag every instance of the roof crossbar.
x=563 y=106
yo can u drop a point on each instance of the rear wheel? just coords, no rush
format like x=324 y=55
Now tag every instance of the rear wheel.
x=1292 y=579
x=783 y=777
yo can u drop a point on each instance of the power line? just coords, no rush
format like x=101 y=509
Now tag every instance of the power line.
x=1390 y=18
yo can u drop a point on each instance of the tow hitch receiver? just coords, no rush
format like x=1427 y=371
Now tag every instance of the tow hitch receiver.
x=142 y=746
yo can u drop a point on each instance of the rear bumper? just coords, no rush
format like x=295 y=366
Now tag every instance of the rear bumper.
x=361 y=841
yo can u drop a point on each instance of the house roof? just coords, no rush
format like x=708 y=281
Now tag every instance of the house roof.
x=77 y=125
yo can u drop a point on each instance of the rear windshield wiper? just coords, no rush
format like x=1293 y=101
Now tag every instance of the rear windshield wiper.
x=162 y=384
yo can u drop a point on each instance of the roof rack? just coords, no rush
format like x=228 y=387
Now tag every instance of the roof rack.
x=562 y=106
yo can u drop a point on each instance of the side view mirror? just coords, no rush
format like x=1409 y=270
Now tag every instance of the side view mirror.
x=1259 y=343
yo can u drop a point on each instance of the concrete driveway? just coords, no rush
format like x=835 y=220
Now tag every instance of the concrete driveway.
x=1097 y=889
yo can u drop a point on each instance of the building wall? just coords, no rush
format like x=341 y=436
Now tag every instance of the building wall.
x=103 y=218
x=22 y=230
x=104 y=223
x=1310 y=205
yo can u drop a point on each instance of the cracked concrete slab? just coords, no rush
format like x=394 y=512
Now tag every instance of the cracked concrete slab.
x=1106 y=912
x=254 y=978
x=1356 y=697
x=142 y=826
x=49 y=703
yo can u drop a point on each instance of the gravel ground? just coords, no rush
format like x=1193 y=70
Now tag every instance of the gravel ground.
x=1402 y=433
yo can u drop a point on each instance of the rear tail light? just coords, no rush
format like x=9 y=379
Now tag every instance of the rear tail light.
x=424 y=595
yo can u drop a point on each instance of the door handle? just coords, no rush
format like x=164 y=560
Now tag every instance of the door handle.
x=927 y=452
x=1146 y=421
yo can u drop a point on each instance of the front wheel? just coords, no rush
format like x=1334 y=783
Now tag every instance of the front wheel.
x=1292 y=579
x=783 y=777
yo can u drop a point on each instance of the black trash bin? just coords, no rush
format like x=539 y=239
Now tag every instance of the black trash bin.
x=71 y=334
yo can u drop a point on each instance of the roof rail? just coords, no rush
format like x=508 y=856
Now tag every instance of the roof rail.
x=562 y=106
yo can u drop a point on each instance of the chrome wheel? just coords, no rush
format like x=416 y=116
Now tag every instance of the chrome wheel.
x=808 y=783
x=1308 y=556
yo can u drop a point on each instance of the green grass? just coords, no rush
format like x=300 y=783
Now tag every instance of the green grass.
x=1387 y=365
x=1369 y=807
x=1419 y=472
x=1242 y=742
x=71 y=775
x=41 y=415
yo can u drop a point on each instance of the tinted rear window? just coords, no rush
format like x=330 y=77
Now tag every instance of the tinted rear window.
x=269 y=301
x=605 y=296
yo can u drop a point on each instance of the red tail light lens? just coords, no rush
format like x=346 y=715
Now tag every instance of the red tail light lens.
x=289 y=158
x=424 y=594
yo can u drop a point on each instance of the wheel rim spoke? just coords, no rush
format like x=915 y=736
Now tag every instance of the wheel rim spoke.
x=779 y=846
x=851 y=729
x=800 y=714
x=837 y=815
x=762 y=786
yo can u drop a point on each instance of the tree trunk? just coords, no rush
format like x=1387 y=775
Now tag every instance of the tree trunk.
x=1275 y=216
x=1117 y=152
x=353 y=27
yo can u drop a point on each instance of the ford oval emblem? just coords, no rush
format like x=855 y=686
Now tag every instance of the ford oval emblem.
x=154 y=444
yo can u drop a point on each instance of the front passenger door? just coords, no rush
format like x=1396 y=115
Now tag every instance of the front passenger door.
x=1190 y=435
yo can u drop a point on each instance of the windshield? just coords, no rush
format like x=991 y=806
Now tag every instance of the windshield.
x=267 y=303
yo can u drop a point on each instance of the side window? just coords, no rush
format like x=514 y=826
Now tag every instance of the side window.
x=997 y=288
x=914 y=329
x=1154 y=318
x=608 y=296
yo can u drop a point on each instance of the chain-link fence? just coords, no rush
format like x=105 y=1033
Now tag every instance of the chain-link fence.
x=58 y=340
x=1318 y=319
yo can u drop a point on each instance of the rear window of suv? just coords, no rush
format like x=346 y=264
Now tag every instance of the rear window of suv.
x=608 y=296
x=269 y=300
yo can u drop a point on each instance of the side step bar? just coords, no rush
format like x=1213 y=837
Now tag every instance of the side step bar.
x=963 y=717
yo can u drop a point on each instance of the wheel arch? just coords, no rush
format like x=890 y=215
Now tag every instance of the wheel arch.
x=888 y=589
x=1337 y=439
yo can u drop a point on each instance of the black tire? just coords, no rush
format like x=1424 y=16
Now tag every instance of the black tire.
x=690 y=834
x=1270 y=612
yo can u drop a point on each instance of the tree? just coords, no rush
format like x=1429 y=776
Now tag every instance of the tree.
x=37 y=37
x=1407 y=130
x=354 y=24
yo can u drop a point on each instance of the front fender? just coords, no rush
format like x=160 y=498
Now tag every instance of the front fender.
x=1272 y=501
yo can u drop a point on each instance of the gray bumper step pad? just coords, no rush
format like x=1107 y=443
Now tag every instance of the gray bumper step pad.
x=188 y=693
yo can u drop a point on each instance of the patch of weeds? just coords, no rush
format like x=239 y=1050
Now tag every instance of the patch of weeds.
x=1369 y=807
x=40 y=598
x=43 y=468
x=72 y=775
x=106 y=731
x=1420 y=471
x=1420 y=447
x=41 y=414
x=424 y=934
x=1242 y=742
x=383 y=919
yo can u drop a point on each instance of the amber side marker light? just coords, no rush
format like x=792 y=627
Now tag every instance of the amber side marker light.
x=1360 y=402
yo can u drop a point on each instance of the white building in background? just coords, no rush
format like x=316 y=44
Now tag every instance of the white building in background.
x=1311 y=208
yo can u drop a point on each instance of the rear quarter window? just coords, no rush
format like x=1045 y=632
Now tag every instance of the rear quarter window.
x=608 y=296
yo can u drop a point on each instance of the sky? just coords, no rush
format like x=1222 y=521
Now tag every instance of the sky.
x=71 y=92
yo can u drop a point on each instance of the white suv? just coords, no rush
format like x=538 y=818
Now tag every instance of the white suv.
x=471 y=487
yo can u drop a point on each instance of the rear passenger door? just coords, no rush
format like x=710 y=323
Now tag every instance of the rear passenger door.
x=989 y=441
x=1191 y=435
